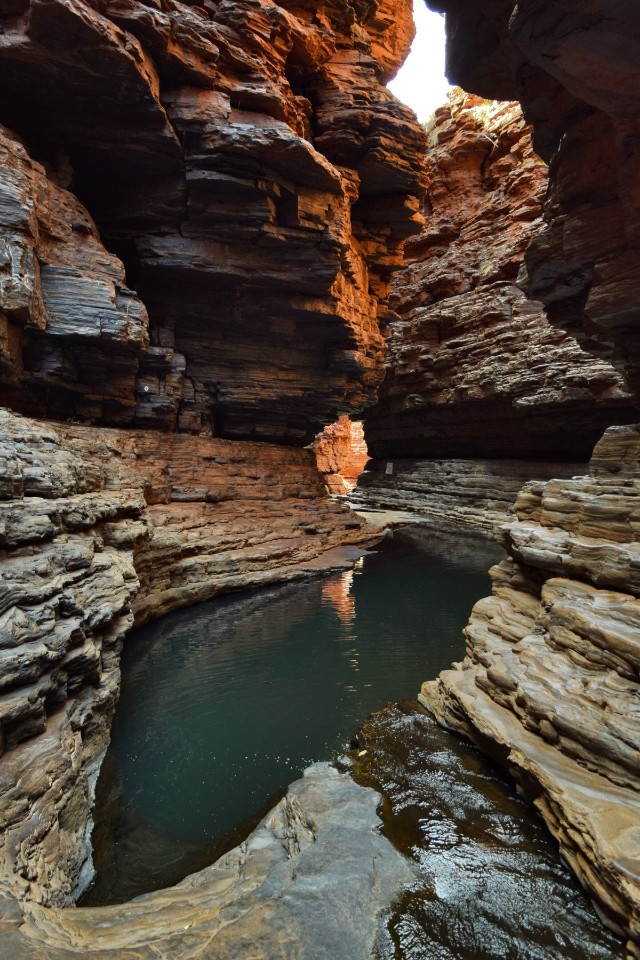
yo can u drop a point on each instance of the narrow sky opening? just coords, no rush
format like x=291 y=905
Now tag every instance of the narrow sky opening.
x=420 y=82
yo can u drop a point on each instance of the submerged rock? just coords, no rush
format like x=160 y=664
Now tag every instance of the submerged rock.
x=313 y=880
x=489 y=882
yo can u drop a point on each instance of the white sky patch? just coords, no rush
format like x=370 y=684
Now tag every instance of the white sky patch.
x=421 y=82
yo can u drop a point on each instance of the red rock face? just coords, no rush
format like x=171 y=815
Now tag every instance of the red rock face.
x=255 y=177
x=474 y=369
x=575 y=68
x=341 y=454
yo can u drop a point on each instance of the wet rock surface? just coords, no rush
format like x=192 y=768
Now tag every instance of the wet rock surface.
x=550 y=682
x=312 y=880
x=489 y=882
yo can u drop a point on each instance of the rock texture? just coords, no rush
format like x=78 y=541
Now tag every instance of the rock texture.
x=341 y=454
x=550 y=685
x=472 y=493
x=200 y=208
x=254 y=176
x=575 y=69
x=98 y=527
x=474 y=369
x=312 y=880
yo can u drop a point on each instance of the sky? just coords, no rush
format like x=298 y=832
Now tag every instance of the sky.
x=421 y=83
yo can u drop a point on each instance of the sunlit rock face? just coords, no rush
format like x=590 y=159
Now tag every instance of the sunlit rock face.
x=254 y=176
x=474 y=369
x=341 y=454
x=576 y=71
x=201 y=208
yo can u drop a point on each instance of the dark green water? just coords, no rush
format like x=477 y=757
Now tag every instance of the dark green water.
x=490 y=884
x=226 y=703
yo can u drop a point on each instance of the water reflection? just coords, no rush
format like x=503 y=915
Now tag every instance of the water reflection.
x=224 y=704
x=337 y=593
x=491 y=884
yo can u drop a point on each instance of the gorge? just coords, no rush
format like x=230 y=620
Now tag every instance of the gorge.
x=203 y=209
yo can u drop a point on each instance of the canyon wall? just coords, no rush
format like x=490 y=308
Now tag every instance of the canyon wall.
x=253 y=175
x=474 y=369
x=341 y=454
x=100 y=528
x=575 y=70
x=481 y=393
x=549 y=686
x=200 y=210
x=478 y=494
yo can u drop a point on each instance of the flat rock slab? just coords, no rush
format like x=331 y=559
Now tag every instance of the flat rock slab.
x=315 y=879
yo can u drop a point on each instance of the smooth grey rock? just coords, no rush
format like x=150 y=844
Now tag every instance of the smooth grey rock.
x=312 y=881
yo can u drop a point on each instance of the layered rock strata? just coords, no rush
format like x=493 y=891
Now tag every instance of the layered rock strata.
x=98 y=528
x=341 y=454
x=550 y=684
x=474 y=369
x=479 y=494
x=574 y=68
x=249 y=168
x=315 y=878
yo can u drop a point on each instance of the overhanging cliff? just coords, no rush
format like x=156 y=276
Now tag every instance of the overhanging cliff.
x=251 y=171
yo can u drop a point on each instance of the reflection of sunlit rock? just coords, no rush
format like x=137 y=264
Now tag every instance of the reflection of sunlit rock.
x=337 y=593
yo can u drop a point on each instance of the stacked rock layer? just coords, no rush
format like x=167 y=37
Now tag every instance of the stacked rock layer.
x=550 y=685
x=474 y=369
x=550 y=682
x=200 y=207
x=98 y=527
x=575 y=70
x=249 y=168
x=341 y=454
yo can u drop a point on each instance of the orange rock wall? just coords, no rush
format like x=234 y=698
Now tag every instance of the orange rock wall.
x=474 y=369
x=248 y=167
x=341 y=454
x=575 y=69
